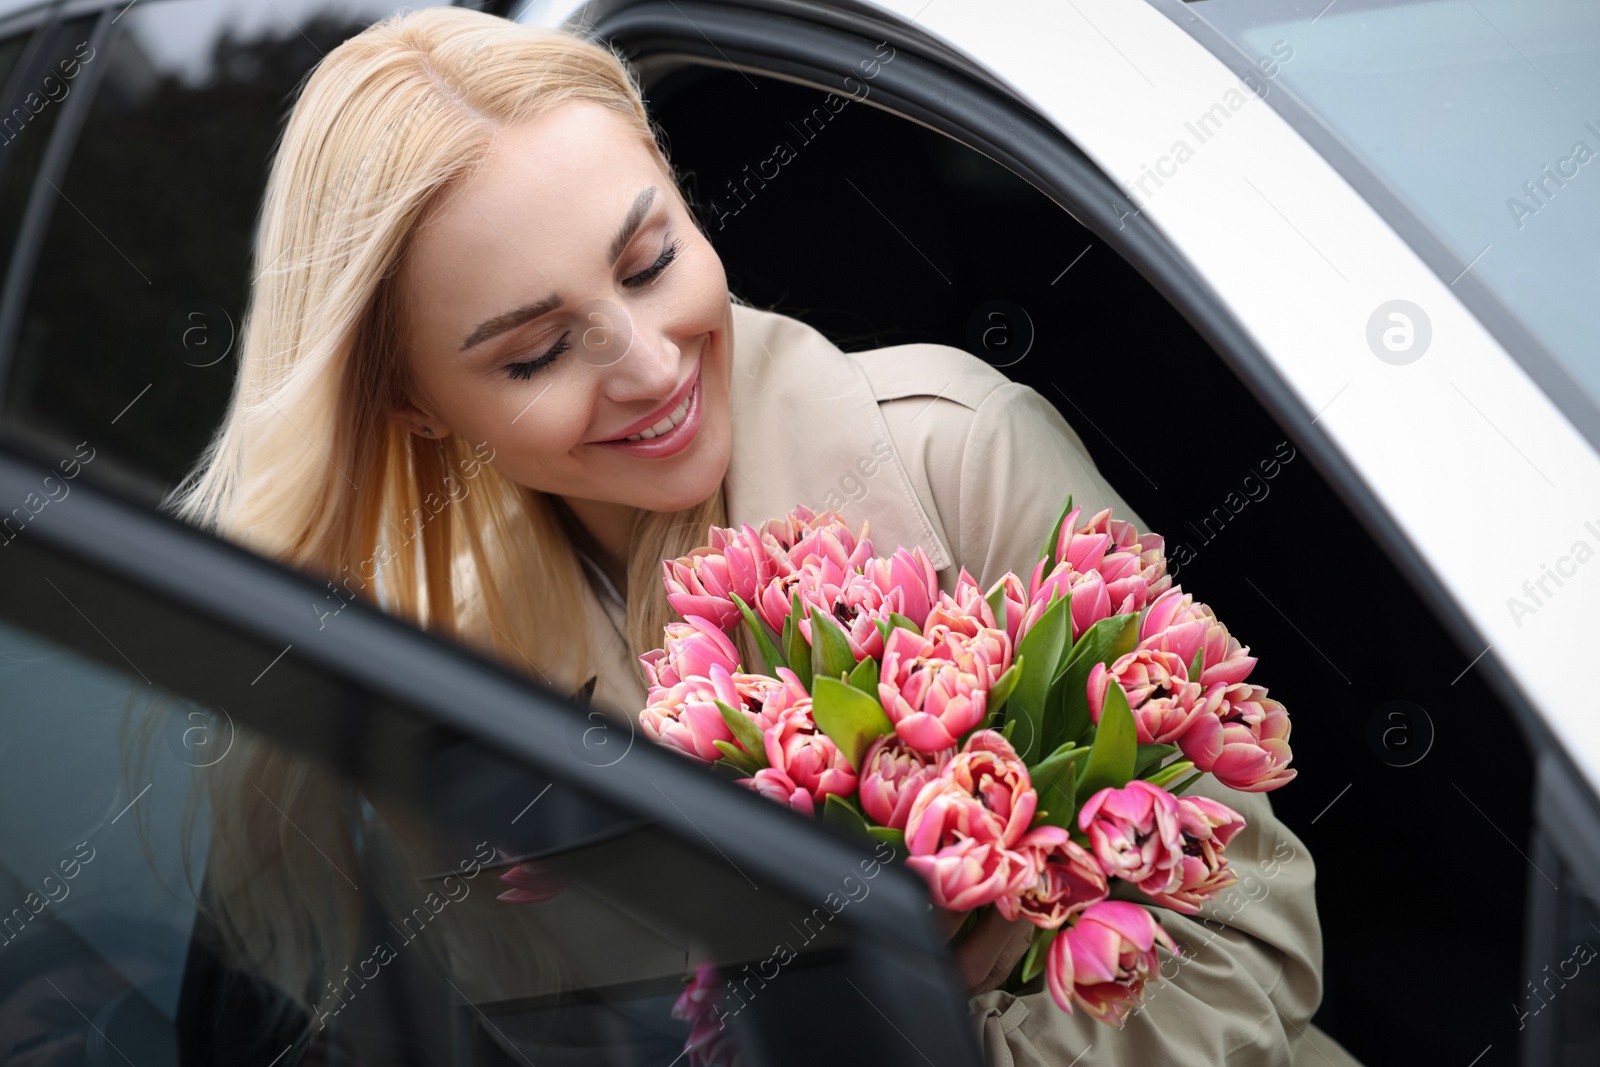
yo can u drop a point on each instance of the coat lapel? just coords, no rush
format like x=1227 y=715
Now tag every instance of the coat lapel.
x=807 y=430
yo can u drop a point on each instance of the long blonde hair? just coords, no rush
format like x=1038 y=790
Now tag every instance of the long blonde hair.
x=307 y=467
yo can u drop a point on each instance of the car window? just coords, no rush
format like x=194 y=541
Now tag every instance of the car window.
x=128 y=317
x=211 y=859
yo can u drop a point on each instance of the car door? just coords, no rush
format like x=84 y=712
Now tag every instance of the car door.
x=239 y=831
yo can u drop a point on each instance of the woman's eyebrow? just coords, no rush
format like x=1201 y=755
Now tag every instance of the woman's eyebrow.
x=630 y=225
x=507 y=320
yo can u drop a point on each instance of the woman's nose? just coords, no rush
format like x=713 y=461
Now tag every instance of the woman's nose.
x=639 y=362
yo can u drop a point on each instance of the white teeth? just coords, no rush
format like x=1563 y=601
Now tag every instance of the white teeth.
x=675 y=418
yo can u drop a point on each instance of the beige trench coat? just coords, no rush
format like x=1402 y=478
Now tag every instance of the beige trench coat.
x=935 y=448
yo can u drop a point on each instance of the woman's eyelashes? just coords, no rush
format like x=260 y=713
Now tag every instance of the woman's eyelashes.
x=526 y=369
x=648 y=275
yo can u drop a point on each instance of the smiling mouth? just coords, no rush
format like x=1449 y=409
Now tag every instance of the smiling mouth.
x=669 y=421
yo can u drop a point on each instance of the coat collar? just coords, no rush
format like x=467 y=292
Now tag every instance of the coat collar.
x=807 y=430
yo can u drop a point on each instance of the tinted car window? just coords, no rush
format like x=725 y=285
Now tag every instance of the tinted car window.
x=141 y=279
x=307 y=871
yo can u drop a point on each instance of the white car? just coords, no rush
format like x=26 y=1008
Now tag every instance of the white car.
x=1339 y=259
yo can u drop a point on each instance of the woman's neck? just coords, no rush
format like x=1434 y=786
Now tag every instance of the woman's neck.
x=601 y=530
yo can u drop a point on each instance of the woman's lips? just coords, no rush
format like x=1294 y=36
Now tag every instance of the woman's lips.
x=672 y=441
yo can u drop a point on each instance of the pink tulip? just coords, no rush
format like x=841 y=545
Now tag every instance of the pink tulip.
x=1103 y=961
x=754 y=559
x=1245 y=743
x=831 y=542
x=1066 y=879
x=1091 y=601
x=1176 y=623
x=775 y=785
x=1135 y=835
x=965 y=613
x=690 y=648
x=686 y=717
x=808 y=756
x=967 y=873
x=530 y=884
x=908 y=579
x=935 y=687
x=1164 y=703
x=1207 y=827
x=983 y=793
x=767 y=698
x=699 y=584
x=793 y=529
x=710 y=1042
x=1134 y=566
x=892 y=774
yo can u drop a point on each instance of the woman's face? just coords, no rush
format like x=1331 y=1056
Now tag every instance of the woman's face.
x=563 y=307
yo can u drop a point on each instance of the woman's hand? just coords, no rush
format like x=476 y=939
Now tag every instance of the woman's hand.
x=989 y=951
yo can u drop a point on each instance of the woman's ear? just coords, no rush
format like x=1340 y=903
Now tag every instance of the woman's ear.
x=413 y=419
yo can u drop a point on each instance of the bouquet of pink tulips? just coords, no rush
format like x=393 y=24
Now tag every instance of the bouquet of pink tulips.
x=1022 y=746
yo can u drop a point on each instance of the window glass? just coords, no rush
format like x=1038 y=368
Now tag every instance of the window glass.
x=176 y=886
x=142 y=276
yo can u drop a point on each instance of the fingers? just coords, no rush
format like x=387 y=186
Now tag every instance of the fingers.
x=948 y=921
x=991 y=949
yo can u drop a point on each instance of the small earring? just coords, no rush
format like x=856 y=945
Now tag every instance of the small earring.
x=427 y=431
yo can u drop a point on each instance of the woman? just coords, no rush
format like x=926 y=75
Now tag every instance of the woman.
x=491 y=376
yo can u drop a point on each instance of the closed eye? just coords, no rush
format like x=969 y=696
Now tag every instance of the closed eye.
x=527 y=368
x=648 y=275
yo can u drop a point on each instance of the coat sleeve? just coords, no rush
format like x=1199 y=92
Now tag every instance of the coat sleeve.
x=1249 y=975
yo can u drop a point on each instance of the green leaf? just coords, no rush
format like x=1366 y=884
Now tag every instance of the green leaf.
x=997 y=603
x=904 y=623
x=884 y=627
x=1104 y=642
x=897 y=838
x=865 y=677
x=1057 y=804
x=852 y=718
x=1003 y=687
x=1178 y=789
x=1115 y=744
x=794 y=643
x=1171 y=772
x=830 y=648
x=1149 y=756
x=736 y=756
x=746 y=733
x=1197 y=664
x=1033 y=963
x=1054 y=535
x=1050 y=769
x=1039 y=649
x=763 y=636
x=1107 y=640
x=842 y=812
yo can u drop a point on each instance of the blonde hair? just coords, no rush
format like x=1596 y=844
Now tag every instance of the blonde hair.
x=307 y=467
